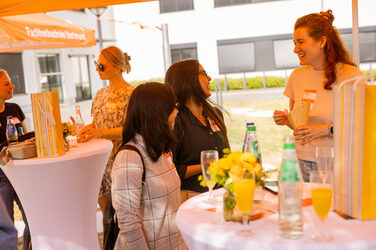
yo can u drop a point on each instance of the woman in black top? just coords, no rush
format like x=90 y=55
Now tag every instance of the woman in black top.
x=199 y=125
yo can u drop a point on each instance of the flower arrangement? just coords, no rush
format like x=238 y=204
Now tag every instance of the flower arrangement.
x=234 y=165
x=67 y=129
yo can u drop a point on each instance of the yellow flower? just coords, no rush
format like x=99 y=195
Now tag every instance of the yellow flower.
x=258 y=168
x=249 y=166
x=225 y=163
x=248 y=157
x=237 y=171
x=236 y=156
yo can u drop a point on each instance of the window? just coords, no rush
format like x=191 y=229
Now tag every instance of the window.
x=50 y=76
x=284 y=57
x=81 y=77
x=12 y=63
x=166 y=6
x=221 y=3
x=183 y=51
x=234 y=58
x=367 y=45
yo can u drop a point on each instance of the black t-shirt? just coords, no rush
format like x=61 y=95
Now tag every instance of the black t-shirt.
x=194 y=137
x=18 y=117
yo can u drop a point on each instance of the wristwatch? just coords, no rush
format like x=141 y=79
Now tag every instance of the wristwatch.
x=331 y=130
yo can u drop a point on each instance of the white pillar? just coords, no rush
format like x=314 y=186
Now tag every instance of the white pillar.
x=355 y=32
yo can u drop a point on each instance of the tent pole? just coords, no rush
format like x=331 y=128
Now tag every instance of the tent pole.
x=355 y=32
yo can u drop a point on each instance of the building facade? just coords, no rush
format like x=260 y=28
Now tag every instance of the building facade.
x=232 y=37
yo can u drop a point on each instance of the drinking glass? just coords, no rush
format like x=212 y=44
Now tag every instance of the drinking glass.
x=244 y=189
x=207 y=157
x=322 y=194
x=325 y=160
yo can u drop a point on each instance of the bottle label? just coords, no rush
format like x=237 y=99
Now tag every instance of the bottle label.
x=11 y=128
x=256 y=149
x=289 y=171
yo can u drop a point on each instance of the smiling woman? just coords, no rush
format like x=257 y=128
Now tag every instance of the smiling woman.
x=199 y=125
x=326 y=62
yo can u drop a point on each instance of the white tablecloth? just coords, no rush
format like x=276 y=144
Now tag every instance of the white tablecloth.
x=201 y=230
x=59 y=195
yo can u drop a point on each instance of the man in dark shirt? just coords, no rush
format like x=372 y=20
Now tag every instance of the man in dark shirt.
x=7 y=192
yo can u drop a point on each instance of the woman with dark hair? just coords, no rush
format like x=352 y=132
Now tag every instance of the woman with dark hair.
x=199 y=125
x=146 y=205
x=326 y=62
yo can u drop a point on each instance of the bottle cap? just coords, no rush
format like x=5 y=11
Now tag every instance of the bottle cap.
x=250 y=124
x=77 y=106
x=9 y=117
x=251 y=128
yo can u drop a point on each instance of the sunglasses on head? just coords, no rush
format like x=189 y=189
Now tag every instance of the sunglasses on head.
x=100 y=66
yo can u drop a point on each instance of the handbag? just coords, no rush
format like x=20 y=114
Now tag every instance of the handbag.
x=110 y=224
x=355 y=149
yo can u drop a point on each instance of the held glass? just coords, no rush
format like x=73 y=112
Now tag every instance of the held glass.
x=244 y=189
x=322 y=194
x=325 y=161
x=207 y=157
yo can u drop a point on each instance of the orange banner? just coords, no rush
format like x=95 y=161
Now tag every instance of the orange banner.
x=19 y=7
x=41 y=31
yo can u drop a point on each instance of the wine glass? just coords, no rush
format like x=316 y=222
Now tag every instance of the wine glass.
x=244 y=189
x=324 y=161
x=207 y=157
x=322 y=194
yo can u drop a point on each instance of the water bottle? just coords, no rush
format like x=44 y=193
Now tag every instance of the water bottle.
x=250 y=143
x=80 y=124
x=290 y=193
x=11 y=131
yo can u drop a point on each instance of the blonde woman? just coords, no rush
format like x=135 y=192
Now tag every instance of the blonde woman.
x=109 y=108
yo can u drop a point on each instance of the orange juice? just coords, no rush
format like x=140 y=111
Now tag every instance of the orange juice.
x=322 y=199
x=244 y=190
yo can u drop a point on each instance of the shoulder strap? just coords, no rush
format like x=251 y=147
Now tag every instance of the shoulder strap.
x=133 y=148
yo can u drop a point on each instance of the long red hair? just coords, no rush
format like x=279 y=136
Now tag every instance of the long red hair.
x=319 y=25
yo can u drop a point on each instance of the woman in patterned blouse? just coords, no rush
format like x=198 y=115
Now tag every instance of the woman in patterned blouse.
x=109 y=108
x=146 y=206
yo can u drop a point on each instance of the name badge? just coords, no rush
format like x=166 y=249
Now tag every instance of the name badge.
x=309 y=96
x=214 y=127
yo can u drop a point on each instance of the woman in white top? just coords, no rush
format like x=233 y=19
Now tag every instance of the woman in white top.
x=326 y=62
x=146 y=210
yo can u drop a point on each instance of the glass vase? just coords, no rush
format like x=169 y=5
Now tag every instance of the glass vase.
x=231 y=211
x=66 y=144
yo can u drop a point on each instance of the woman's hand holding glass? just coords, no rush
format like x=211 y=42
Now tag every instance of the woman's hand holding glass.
x=207 y=157
x=244 y=189
x=89 y=132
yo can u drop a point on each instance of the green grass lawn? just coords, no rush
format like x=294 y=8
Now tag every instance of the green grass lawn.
x=269 y=135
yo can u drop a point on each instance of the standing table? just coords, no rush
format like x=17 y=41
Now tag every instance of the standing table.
x=59 y=195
